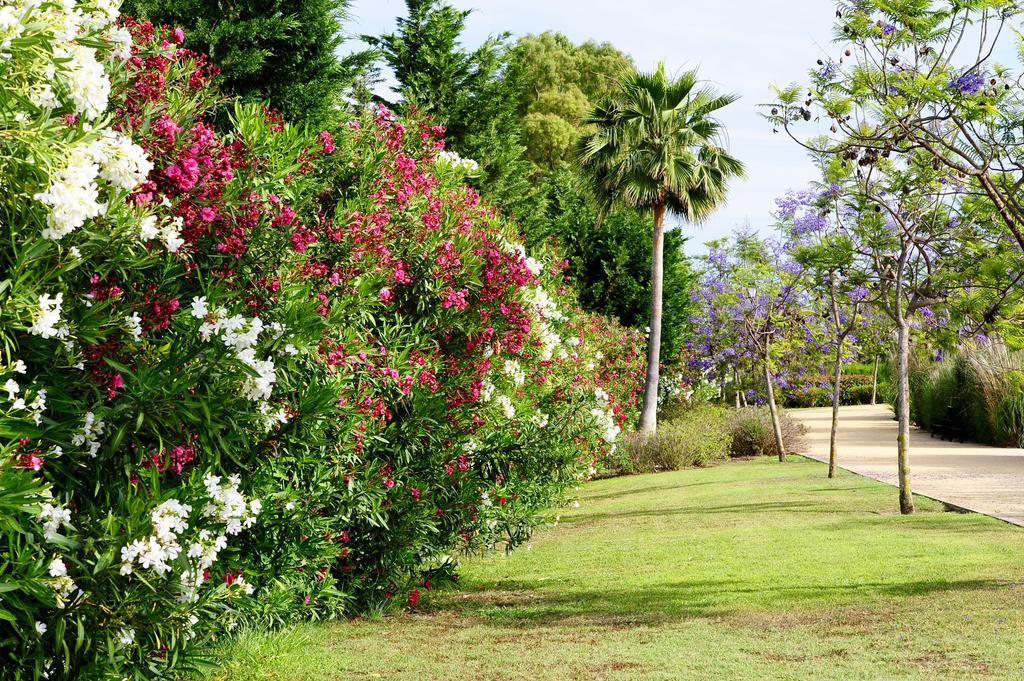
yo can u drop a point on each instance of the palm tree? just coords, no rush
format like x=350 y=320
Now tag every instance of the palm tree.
x=654 y=145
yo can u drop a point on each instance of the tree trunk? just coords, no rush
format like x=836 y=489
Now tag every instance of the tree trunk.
x=776 y=424
x=649 y=413
x=837 y=385
x=903 y=416
x=874 y=383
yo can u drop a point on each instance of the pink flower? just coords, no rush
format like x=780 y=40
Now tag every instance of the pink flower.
x=30 y=461
x=415 y=493
x=327 y=141
x=385 y=295
x=389 y=483
x=456 y=299
x=179 y=35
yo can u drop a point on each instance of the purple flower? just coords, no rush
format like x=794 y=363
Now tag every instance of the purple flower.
x=888 y=29
x=969 y=83
x=859 y=294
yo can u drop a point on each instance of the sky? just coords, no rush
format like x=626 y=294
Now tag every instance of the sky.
x=742 y=46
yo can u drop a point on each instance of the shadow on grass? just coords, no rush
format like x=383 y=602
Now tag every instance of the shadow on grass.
x=739 y=509
x=523 y=604
x=652 y=488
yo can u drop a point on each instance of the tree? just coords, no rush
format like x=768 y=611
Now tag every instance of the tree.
x=655 y=146
x=923 y=78
x=921 y=242
x=820 y=242
x=558 y=83
x=280 y=51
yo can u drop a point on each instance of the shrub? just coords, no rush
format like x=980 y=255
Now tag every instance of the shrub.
x=752 y=433
x=977 y=391
x=696 y=438
x=817 y=392
x=255 y=374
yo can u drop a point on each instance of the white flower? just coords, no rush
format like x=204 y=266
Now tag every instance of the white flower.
x=52 y=517
x=72 y=196
x=87 y=83
x=227 y=504
x=58 y=568
x=43 y=96
x=134 y=325
x=291 y=349
x=74 y=252
x=605 y=421
x=89 y=435
x=506 y=406
x=199 y=309
x=126 y=637
x=543 y=304
x=454 y=160
x=148 y=229
x=46 y=323
x=19 y=367
x=515 y=371
x=10 y=24
x=123 y=163
x=121 y=43
x=534 y=266
x=486 y=391
x=12 y=388
x=38 y=406
x=171 y=235
x=40 y=628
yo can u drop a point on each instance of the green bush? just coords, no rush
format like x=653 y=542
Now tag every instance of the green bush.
x=695 y=438
x=977 y=391
x=855 y=388
x=751 y=431
x=256 y=373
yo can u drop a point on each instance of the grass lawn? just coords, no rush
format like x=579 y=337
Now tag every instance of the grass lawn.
x=751 y=570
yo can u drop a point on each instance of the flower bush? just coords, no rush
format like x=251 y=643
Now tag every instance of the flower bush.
x=252 y=373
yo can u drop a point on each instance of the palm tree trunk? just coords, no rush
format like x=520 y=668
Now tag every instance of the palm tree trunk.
x=837 y=384
x=903 y=416
x=874 y=383
x=773 y=409
x=649 y=413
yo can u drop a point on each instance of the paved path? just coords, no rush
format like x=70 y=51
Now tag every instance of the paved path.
x=988 y=480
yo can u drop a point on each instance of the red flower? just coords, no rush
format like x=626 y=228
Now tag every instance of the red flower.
x=414 y=597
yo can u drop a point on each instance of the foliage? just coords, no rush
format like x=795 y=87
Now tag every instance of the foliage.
x=610 y=261
x=275 y=51
x=751 y=430
x=924 y=79
x=256 y=373
x=559 y=82
x=695 y=438
x=976 y=394
x=656 y=142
